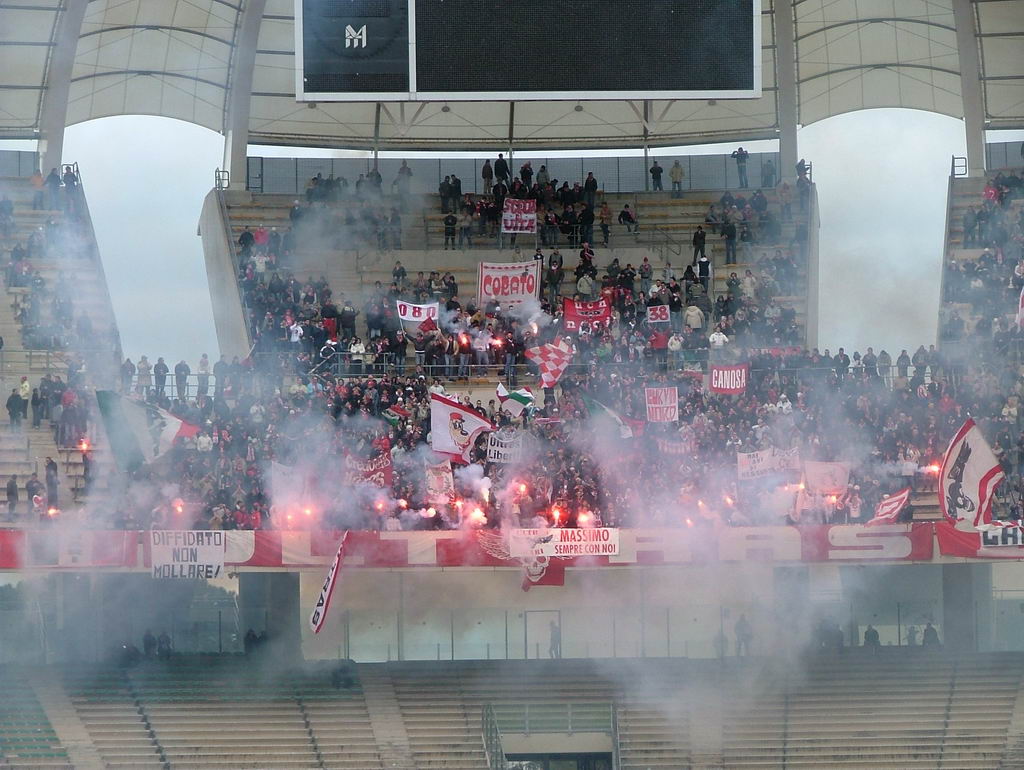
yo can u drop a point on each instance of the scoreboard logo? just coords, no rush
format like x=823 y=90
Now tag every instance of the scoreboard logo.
x=355 y=38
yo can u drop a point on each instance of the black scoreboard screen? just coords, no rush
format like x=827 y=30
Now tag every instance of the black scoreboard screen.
x=462 y=50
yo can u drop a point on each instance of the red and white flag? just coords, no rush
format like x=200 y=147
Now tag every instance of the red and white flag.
x=968 y=477
x=888 y=510
x=418 y=318
x=1020 y=310
x=574 y=313
x=454 y=428
x=519 y=216
x=552 y=359
x=323 y=602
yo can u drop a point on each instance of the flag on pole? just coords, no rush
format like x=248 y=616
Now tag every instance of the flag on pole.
x=516 y=401
x=395 y=414
x=454 y=427
x=138 y=432
x=323 y=602
x=888 y=509
x=968 y=477
x=551 y=359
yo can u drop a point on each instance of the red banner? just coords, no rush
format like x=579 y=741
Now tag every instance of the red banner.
x=730 y=379
x=576 y=313
x=998 y=543
x=377 y=470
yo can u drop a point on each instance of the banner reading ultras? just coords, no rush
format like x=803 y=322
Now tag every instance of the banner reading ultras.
x=187 y=554
x=599 y=541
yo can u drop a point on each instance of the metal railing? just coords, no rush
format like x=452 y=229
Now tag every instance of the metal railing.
x=616 y=751
x=492 y=740
x=568 y=717
x=958 y=166
x=221 y=179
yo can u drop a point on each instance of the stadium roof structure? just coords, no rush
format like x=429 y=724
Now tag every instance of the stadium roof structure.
x=228 y=65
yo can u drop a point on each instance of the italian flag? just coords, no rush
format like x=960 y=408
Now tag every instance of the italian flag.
x=395 y=414
x=139 y=433
x=627 y=428
x=515 y=402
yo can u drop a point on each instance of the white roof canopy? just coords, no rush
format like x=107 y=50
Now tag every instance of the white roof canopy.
x=179 y=58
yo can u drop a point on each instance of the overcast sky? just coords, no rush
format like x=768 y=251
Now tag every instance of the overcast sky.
x=881 y=177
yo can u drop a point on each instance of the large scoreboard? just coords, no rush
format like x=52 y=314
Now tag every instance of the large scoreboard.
x=466 y=50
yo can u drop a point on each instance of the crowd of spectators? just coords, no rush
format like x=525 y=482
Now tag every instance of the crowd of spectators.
x=890 y=419
x=47 y=310
x=980 y=291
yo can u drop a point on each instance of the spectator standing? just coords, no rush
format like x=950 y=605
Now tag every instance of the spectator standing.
x=12 y=497
x=52 y=499
x=604 y=218
x=699 y=239
x=740 y=156
x=487 y=175
x=729 y=233
x=203 y=372
x=590 y=191
x=676 y=176
x=656 y=172
x=450 y=221
x=160 y=372
x=181 y=374
x=38 y=190
x=501 y=169
x=768 y=174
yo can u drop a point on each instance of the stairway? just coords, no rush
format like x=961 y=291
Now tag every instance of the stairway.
x=65 y=720
x=386 y=719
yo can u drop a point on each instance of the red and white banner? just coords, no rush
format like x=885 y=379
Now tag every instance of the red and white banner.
x=376 y=470
x=323 y=601
x=574 y=313
x=1020 y=310
x=968 y=476
x=551 y=360
x=519 y=216
x=454 y=427
x=98 y=550
x=731 y=380
x=418 y=318
x=999 y=543
x=440 y=484
x=888 y=509
x=508 y=283
x=662 y=404
x=658 y=314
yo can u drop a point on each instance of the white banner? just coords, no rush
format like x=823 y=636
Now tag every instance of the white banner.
x=508 y=283
x=662 y=404
x=505 y=446
x=415 y=316
x=564 y=543
x=755 y=465
x=187 y=554
x=519 y=216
